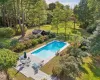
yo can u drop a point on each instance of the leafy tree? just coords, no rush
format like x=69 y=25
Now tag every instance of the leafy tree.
x=70 y=69
x=59 y=5
x=21 y=12
x=38 y=11
x=52 y=6
x=95 y=41
x=66 y=14
x=56 y=18
x=61 y=14
x=83 y=13
x=8 y=59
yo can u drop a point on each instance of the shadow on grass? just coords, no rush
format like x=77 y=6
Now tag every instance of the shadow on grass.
x=83 y=69
x=95 y=67
x=83 y=32
x=95 y=70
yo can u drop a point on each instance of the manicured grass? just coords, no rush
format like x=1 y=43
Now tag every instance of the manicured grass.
x=12 y=73
x=92 y=71
x=70 y=28
x=50 y=65
x=61 y=28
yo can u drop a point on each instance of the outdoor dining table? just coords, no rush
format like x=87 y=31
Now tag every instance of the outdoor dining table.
x=25 y=61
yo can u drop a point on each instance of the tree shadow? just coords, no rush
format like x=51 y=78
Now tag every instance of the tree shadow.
x=20 y=69
x=95 y=68
x=83 y=32
x=83 y=69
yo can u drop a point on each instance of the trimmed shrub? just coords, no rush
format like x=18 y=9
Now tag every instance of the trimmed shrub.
x=14 y=42
x=28 y=44
x=45 y=38
x=52 y=35
x=56 y=71
x=31 y=36
x=6 y=32
x=2 y=45
x=34 y=42
x=40 y=40
x=19 y=47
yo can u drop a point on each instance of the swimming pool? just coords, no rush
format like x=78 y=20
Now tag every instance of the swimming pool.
x=49 y=49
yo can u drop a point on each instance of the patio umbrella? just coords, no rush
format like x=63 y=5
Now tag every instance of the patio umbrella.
x=25 y=55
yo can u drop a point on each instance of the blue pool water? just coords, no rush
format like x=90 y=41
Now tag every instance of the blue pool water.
x=49 y=50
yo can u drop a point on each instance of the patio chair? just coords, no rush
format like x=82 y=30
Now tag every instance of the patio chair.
x=57 y=53
x=28 y=60
x=41 y=63
x=35 y=67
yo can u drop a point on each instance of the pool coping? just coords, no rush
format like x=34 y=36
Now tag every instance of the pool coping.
x=48 y=59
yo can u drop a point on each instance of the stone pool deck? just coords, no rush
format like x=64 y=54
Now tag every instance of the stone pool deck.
x=29 y=71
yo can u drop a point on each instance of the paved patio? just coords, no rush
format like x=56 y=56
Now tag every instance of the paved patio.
x=29 y=71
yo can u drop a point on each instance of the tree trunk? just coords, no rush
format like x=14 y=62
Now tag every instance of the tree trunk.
x=8 y=20
x=39 y=23
x=23 y=31
x=19 y=20
x=57 y=27
x=3 y=15
x=74 y=25
x=65 y=30
x=15 y=15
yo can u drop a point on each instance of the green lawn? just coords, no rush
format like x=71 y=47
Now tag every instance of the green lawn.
x=92 y=72
x=61 y=29
x=12 y=72
x=49 y=66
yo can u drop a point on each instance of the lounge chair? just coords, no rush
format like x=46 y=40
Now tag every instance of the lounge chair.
x=35 y=67
x=57 y=53
x=41 y=63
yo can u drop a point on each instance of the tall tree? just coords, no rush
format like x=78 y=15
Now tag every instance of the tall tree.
x=95 y=41
x=57 y=17
x=65 y=17
x=52 y=6
x=83 y=13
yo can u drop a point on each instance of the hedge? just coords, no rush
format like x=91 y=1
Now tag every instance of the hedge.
x=6 y=32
